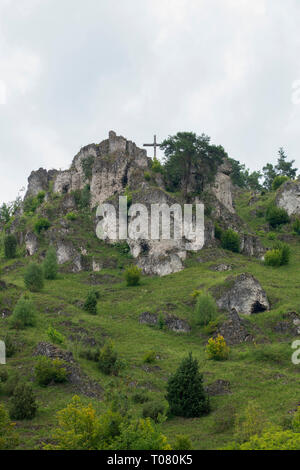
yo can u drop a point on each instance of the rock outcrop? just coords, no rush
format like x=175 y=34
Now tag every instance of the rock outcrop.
x=233 y=330
x=242 y=293
x=288 y=197
x=222 y=187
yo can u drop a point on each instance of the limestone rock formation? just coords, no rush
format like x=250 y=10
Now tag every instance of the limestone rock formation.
x=242 y=293
x=288 y=197
x=233 y=329
x=222 y=187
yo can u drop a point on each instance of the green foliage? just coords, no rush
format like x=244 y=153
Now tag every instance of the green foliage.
x=34 y=277
x=182 y=443
x=278 y=181
x=224 y=418
x=157 y=166
x=50 y=370
x=50 y=264
x=31 y=203
x=273 y=438
x=154 y=410
x=242 y=177
x=87 y=166
x=23 y=403
x=296 y=421
x=250 y=423
x=161 y=321
x=108 y=359
x=42 y=224
x=277 y=216
x=140 y=397
x=296 y=226
x=217 y=349
x=205 y=310
x=218 y=232
x=133 y=275
x=279 y=256
x=230 y=240
x=90 y=304
x=55 y=336
x=9 y=439
x=185 y=392
x=90 y=354
x=82 y=197
x=149 y=357
x=71 y=216
x=273 y=258
x=147 y=175
x=285 y=251
x=269 y=173
x=122 y=247
x=10 y=246
x=3 y=376
x=283 y=167
x=23 y=315
x=186 y=152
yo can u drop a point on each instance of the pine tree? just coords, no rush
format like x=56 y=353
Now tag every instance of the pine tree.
x=283 y=167
x=50 y=264
x=185 y=392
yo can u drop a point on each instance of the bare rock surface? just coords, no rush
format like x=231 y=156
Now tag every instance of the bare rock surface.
x=171 y=322
x=288 y=197
x=233 y=330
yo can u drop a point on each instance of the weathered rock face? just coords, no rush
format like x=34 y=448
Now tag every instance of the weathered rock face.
x=244 y=294
x=222 y=187
x=288 y=197
x=31 y=243
x=39 y=181
x=251 y=246
x=171 y=322
x=233 y=330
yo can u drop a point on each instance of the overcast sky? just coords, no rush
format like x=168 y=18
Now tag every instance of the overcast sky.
x=71 y=70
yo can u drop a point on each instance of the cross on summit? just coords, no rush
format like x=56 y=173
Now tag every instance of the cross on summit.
x=155 y=145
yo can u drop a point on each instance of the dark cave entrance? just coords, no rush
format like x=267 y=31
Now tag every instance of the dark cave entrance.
x=257 y=307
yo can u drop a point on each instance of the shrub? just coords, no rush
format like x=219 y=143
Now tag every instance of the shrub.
x=50 y=370
x=278 y=181
x=271 y=236
x=87 y=166
x=90 y=304
x=50 y=264
x=205 y=310
x=149 y=357
x=296 y=421
x=230 y=240
x=34 y=278
x=55 y=336
x=182 y=443
x=108 y=359
x=185 y=392
x=157 y=166
x=31 y=204
x=71 y=216
x=41 y=224
x=133 y=275
x=217 y=349
x=273 y=258
x=147 y=175
x=10 y=246
x=161 y=321
x=296 y=226
x=224 y=419
x=218 y=232
x=23 y=314
x=90 y=354
x=273 y=438
x=251 y=422
x=10 y=345
x=8 y=437
x=3 y=376
x=153 y=410
x=140 y=397
x=277 y=216
x=85 y=197
x=23 y=403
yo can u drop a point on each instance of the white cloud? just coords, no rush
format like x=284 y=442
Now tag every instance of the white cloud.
x=2 y=92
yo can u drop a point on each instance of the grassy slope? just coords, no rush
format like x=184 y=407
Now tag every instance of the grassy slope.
x=262 y=370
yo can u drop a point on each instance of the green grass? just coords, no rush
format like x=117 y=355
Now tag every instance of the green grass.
x=262 y=371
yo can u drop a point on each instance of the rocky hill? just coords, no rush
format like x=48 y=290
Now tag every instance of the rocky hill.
x=258 y=305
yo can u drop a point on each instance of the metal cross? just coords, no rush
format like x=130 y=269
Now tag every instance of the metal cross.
x=155 y=145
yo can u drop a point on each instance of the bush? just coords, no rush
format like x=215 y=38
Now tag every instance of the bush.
x=218 y=232
x=273 y=438
x=149 y=357
x=157 y=166
x=71 y=216
x=161 y=321
x=296 y=421
x=50 y=370
x=108 y=359
x=279 y=256
x=230 y=240
x=182 y=443
x=153 y=410
x=23 y=403
x=217 y=349
x=90 y=304
x=277 y=216
x=251 y=422
x=205 y=310
x=285 y=252
x=50 y=264
x=10 y=345
x=185 y=392
x=140 y=397
x=90 y=354
x=10 y=246
x=133 y=275
x=147 y=175
x=278 y=181
x=31 y=204
x=3 y=376
x=8 y=437
x=296 y=226
x=273 y=258
x=55 y=336
x=41 y=224
x=224 y=419
x=23 y=314
x=34 y=278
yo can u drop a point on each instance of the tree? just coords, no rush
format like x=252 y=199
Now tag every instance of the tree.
x=283 y=167
x=34 y=278
x=23 y=403
x=10 y=246
x=186 y=152
x=23 y=314
x=185 y=392
x=269 y=174
x=90 y=304
x=50 y=264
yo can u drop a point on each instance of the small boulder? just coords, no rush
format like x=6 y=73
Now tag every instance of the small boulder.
x=233 y=330
x=243 y=293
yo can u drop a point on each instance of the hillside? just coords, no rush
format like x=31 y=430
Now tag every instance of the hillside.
x=259 y=369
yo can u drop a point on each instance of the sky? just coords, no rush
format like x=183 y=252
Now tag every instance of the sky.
x=71 y=70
